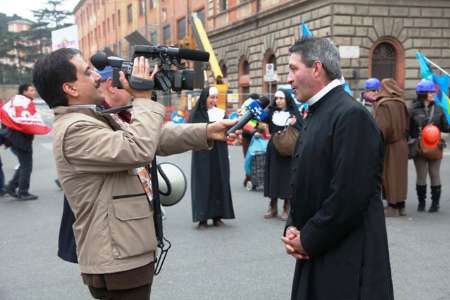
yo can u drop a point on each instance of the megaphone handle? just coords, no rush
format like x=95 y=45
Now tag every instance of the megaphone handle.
x=166 y=180
x=157 y=216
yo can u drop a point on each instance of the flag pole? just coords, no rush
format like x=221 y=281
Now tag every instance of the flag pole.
x=436 y=66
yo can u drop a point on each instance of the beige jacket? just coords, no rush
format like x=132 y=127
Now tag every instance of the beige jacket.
x=114 y=228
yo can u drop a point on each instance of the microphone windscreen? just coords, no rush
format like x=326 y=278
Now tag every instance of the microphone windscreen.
x=192 y=54
x=264 y=101
x=99 y=60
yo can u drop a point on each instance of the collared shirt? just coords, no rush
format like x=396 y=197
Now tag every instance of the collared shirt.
x=323 y=92
x=90 y=106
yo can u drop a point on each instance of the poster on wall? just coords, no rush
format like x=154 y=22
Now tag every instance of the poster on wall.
x=66 y=37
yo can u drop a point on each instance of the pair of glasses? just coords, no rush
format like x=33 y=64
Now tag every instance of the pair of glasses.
x=213 y=96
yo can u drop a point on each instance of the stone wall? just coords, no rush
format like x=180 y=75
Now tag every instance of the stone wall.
x=416 y=25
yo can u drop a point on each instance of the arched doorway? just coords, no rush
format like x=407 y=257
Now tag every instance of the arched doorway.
x=244 y=79
x=387 y=60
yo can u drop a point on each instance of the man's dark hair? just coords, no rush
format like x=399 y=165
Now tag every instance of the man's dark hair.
x=319 y=49
x=23 y=88
x=51 y=72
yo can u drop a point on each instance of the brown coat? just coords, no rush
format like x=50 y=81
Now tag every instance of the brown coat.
x=113 y=227
x=391 y=115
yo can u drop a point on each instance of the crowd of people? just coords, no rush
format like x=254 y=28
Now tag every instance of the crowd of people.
x=348 y=156
x=413 y=133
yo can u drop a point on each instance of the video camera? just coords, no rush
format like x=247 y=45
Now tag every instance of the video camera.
x=172 y=74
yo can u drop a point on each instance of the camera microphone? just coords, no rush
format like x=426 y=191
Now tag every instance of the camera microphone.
x=192 y=54
x=99 y=60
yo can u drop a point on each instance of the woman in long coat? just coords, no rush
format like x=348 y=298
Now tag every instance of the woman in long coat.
x=391 y=115
x=210 y=169
x=277 y=170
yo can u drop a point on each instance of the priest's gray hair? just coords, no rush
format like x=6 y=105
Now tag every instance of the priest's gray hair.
x=319 y=49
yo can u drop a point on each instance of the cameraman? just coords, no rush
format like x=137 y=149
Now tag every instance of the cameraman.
x=100 y=171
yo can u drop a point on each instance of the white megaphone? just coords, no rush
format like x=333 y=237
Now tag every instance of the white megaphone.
x=172 y=184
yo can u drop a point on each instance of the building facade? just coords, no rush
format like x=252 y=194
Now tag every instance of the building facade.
x=112 y=24
x=377 y=38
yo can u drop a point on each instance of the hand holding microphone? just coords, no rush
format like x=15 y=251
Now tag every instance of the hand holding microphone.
x=255 y=110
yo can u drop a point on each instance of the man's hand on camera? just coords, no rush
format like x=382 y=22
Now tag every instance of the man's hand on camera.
x=216 y=130
x=141 y=69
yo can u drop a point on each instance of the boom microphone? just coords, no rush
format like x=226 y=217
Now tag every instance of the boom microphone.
x=256 y=110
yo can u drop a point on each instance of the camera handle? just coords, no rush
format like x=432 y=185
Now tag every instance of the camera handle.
x=141 y=84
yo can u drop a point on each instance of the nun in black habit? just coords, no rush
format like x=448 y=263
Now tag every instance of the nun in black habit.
x=210 y=169
x=277 y=169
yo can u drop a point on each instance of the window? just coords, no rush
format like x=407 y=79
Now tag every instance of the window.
x=166 y=33
x=201 y=15
x=154 y=37
x=224 y=69
x=387 y=60
x=152 y=4
x=181 y=28
x=109 y=25
x=383 y=62
x=164 y=14
x=222 y=5
x=114 y=21
x=130 y=13
x=245 y=67
x=142 y=7
x=244 y=78
x=118 y=18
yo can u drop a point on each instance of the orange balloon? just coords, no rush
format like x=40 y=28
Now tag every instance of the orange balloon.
x=431 y=136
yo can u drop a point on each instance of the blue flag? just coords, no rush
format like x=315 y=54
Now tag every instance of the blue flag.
x=441 y=81
x=304 y=31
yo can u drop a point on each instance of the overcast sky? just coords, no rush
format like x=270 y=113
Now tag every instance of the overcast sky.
x=24 y=8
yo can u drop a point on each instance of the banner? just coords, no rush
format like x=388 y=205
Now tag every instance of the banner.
x=20 y=114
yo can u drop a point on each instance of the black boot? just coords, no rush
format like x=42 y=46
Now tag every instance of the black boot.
x=435 y=197
x=421 y=196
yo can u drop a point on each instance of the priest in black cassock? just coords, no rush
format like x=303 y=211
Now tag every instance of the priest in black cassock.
x=210 y=169
x=336 y=228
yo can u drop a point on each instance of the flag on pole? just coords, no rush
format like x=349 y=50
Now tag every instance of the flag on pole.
x=442 y=83
x=304 y=31
x=20 y=114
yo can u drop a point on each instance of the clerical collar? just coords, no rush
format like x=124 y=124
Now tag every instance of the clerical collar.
x=314 y=99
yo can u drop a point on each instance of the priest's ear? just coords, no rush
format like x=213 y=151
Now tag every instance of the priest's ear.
x=320 y=71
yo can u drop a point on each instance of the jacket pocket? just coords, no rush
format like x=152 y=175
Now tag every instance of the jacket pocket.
x=131 y=225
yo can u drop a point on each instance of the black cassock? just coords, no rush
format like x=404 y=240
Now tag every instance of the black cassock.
x=336 y=204
x=210 y=175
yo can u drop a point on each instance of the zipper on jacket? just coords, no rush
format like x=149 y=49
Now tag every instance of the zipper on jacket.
x=128 y=196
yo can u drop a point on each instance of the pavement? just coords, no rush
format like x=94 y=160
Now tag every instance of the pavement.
x=242 y=260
